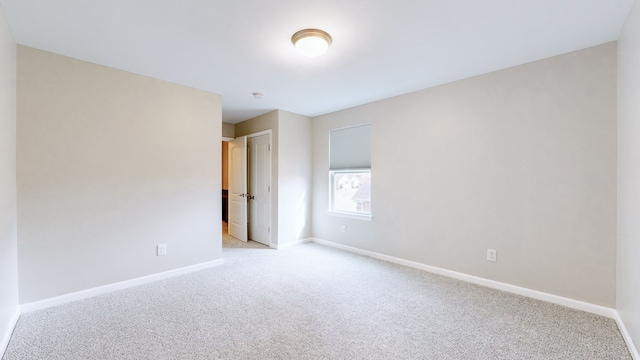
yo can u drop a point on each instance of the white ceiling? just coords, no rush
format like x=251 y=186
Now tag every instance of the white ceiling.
x=381 y=48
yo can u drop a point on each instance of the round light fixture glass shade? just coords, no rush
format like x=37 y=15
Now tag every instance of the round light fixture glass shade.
x=311 y=42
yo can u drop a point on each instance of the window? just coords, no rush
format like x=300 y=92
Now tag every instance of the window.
x=351 y=191
x=350 y=171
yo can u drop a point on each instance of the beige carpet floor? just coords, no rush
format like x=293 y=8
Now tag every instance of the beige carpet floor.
x=312 y=302
x=229 y=241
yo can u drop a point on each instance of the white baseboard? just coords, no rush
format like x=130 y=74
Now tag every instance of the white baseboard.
x=293 y=243
x=539 y=295
x=88 y=293
x=627 y=337
x=5 y=336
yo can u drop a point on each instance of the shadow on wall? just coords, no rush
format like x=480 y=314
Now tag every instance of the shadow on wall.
x=302 y=216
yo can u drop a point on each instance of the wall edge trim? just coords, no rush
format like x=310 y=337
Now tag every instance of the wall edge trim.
x=105 y=289
x=534 y=294
x=626 y=336
x=6 y=334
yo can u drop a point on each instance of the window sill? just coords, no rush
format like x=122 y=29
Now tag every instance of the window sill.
x=364 y=217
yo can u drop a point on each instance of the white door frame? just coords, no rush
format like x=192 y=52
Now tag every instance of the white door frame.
x=270 y=133
x=259 y=188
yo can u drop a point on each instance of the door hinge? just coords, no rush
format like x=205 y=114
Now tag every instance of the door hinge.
x=268 y=188
x=269 y=148
x=269 y=229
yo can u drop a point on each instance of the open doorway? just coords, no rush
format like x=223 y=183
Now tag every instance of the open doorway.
x=246 y=191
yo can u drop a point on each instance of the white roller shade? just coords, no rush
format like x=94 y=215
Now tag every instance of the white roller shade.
x=350 y=148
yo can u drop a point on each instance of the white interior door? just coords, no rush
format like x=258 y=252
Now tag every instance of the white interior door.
x=259 y=149
x=238 y=188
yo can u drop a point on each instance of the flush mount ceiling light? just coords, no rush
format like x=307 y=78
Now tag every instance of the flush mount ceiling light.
x=311 y=42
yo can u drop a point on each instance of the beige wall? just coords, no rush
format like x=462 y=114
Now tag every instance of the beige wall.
x=110 y=164
x=522 y=160
x=294 y=177
x=268 y=121
x=628 y=284
x=8 y=222
x=228 y=130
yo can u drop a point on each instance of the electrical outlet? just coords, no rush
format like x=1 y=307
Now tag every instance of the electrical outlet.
x=162 y=249
x=344 y=228
x=492 y=255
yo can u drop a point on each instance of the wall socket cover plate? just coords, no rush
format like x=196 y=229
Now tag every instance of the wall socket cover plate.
x=162 y=249
x=492 y=255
